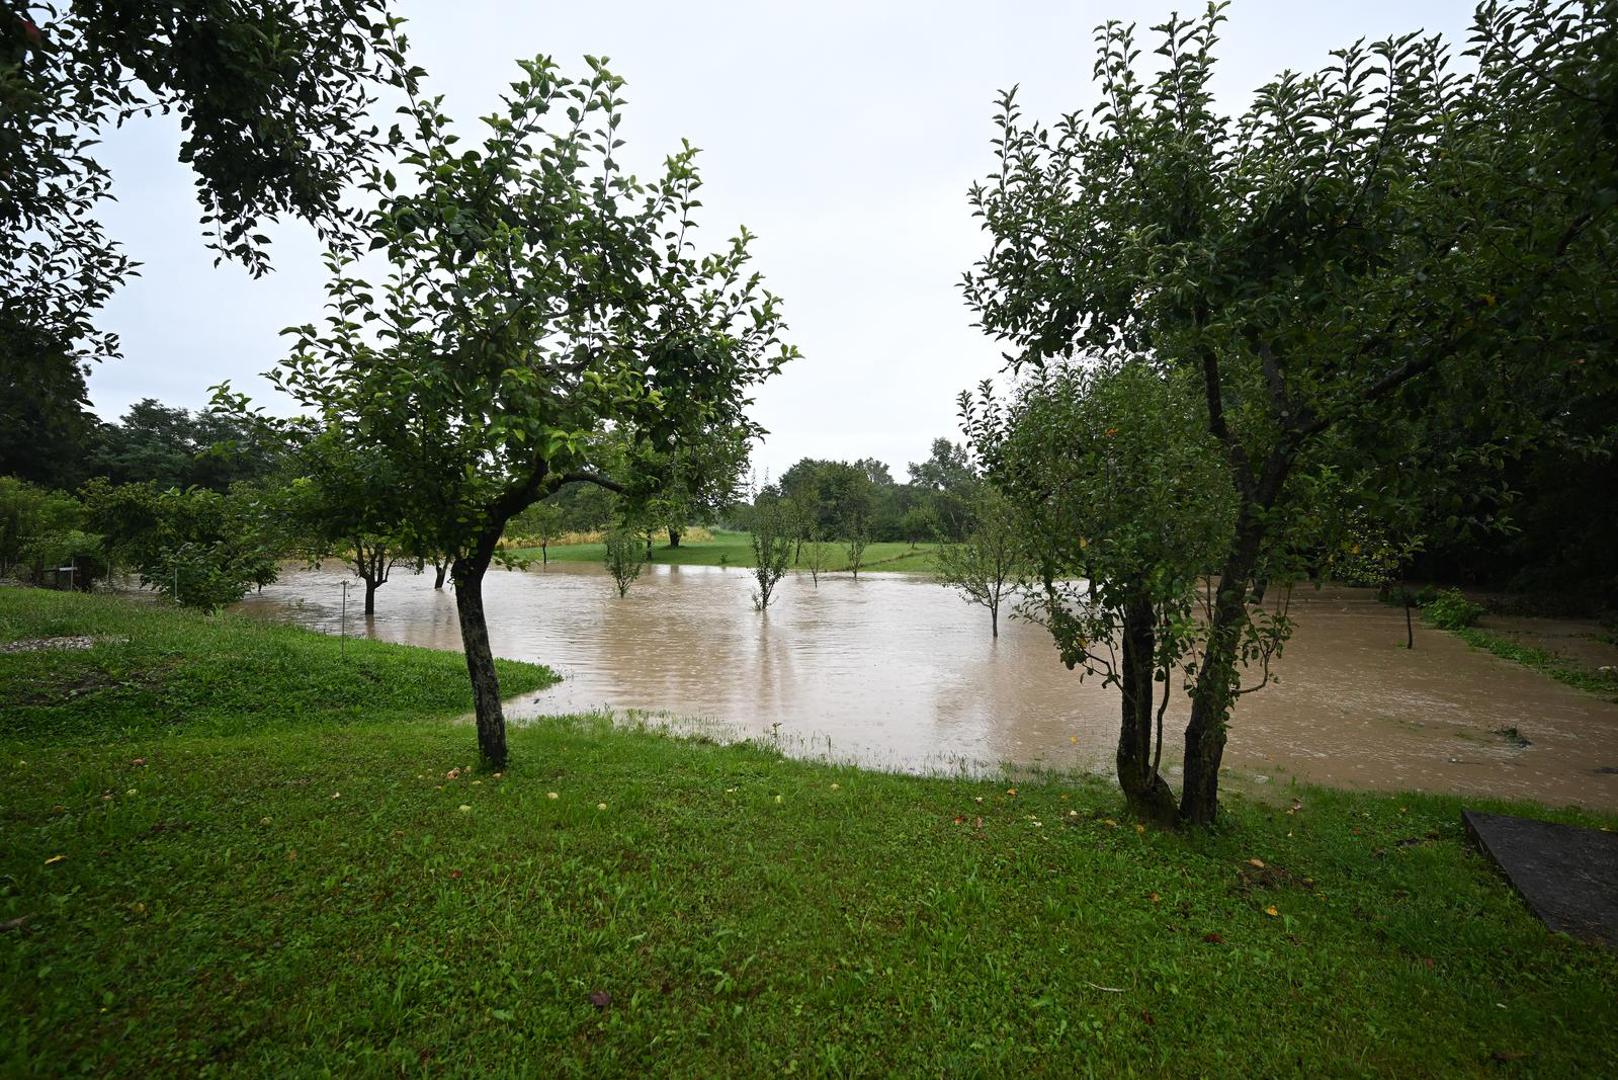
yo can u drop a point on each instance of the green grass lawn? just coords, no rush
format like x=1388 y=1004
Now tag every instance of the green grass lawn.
x=232 y=849
x=734 y=549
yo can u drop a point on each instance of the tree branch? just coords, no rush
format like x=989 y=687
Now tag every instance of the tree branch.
x=585 y=477
x=1275 y=378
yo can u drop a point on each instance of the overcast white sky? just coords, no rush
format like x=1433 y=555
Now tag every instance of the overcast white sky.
x=844 y=134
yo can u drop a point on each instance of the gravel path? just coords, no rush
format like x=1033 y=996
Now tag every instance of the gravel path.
x=46 y=644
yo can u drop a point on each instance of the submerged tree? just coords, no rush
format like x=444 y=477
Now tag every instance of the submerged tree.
x=803 y=511
x=538 y=297
x=855 y=520
x=1366 y=247
x=818 y=554
x=346 y=504
x=440 y=564
x=541 y=522
x=858 y=529
x=372 y=557
x=986 y=567
x=699 y=480
x=624 y=558
x=771 y=539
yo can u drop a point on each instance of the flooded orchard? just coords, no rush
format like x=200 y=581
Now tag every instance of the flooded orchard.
x=896 y=672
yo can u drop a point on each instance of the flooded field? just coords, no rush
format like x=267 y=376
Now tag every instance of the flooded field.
x=897 y=672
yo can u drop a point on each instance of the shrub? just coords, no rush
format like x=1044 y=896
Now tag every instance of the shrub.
x=199 y=547
x=1451 y=610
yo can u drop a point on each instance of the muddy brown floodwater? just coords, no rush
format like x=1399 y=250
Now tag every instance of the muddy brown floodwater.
x=896 y=672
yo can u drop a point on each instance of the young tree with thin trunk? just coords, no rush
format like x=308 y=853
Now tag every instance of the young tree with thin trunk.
x=543 y=311
x=623 y=557
x=550 y=527
x=856 y=506
x=819 y=555
x=803 y=509
x=858 y=536
x=541 y=522
x=771 y=539
x=1366 y=250
x=986 y=567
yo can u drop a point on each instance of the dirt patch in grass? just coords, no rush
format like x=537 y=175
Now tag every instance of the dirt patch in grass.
x=63 y=687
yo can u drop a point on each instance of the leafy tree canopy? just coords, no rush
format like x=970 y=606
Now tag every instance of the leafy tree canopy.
x=947 y=468
x=201 y=548
x=1369 y=248
x=546 y=320
x=272 y=100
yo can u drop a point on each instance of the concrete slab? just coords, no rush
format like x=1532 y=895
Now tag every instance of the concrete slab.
x=1568 y=875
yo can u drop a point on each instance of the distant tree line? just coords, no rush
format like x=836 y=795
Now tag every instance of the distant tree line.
x=152 y=442
x=840 y=500
x=832 y=501
x=187 y=500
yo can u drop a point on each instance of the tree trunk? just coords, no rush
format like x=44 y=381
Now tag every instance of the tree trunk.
x=1410 y=629
x=1147 y=793
x=545 y=553
x=994 y=621
x=674 y=537
x=440 y=570
x=370 y=563
x=491 y=718
x=1217 y=678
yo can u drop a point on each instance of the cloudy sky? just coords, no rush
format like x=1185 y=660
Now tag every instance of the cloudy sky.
x=844 y=134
